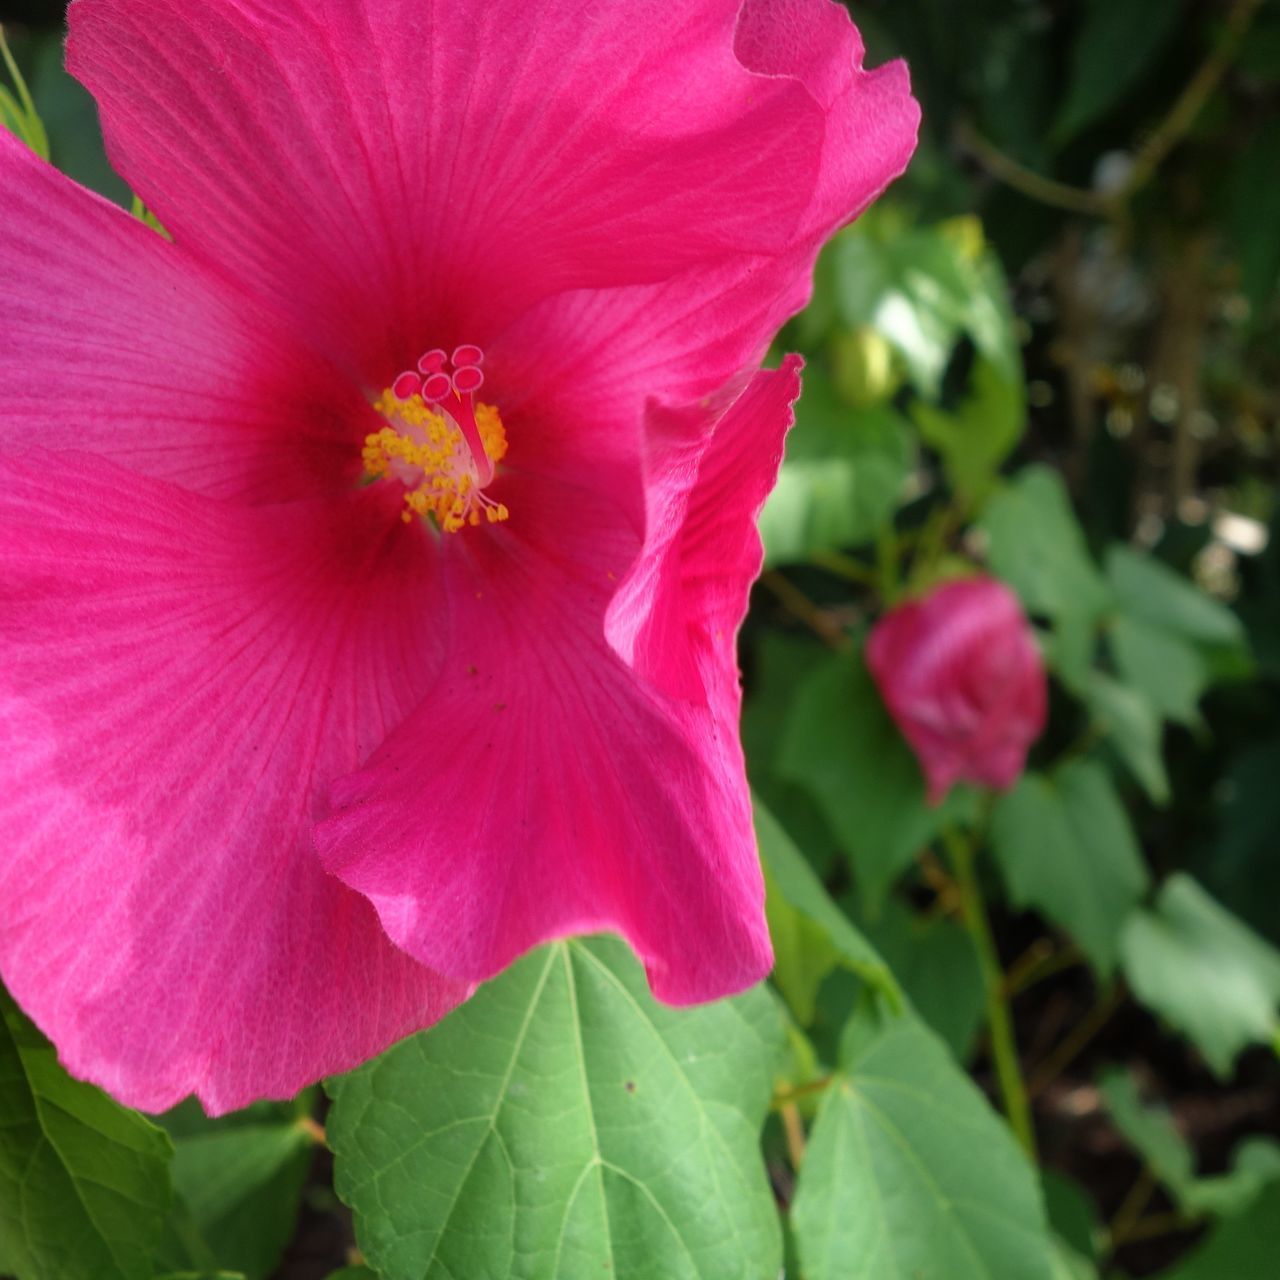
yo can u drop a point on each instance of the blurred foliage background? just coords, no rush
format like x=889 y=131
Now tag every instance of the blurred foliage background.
x=1054 y=352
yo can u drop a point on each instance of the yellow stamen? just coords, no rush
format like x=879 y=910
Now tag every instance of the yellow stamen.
x=427 y=452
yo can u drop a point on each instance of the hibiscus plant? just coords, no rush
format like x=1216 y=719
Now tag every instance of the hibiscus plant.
x=415 y=820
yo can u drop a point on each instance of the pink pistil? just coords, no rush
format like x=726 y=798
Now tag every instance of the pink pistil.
x=454 y=394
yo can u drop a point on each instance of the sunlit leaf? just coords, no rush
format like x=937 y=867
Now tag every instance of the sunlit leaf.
x=975 y=439
x=1204 y=971
x=842 y=477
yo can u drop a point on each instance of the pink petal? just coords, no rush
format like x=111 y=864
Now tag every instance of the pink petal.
x=676 y=617
x=400 y=175
x=118 y=343
x=182 y=680
x=545 y=788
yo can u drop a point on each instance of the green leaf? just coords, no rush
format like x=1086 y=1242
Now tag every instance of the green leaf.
x=18 y=112
x=811 y=935
x=1154 y=593
x=980 y=435
x=1150 y=1129
x=1243 y=1248
x=1130 y=723
x=1071 y=1211
x=937 y=965
x=1065 y=847
x=922 y=289
x=1204 y=972
x=563 y=1123
x=843 y=474
x=1117 y=42
x=84 y=1183
x=1035 y=543
x=1164 y=668
x=242 y=1186
x=202 y=1275
x=909 y=1174
x=1069 y=1264
x=840 y=744
x=71 y=117
x=1253 y=213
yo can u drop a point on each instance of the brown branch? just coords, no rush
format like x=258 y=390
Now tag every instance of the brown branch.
x=1149 y=157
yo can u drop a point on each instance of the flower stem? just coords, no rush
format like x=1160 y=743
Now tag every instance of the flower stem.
x=1004 y=1049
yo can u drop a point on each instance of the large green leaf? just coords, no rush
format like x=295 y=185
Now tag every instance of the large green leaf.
x=840 y=744
x=1243 y=1248
x=1035 y=543
x=84 y=1183
x=562 y=1123
x=1065 y=847
x=1117 y=42
x=909 y=1175
x=1204 y=971
x=844 y=471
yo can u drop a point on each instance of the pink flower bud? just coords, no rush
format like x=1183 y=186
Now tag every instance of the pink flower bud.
x=962 y=676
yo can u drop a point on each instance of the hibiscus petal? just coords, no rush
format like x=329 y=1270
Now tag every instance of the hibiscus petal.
x=676 y=617
x=546 y=788
x=182 y=679
x=401 y=175
x=116 y=342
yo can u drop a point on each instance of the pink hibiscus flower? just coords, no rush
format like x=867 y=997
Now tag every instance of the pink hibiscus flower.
x=372 y=552
x=962 y=675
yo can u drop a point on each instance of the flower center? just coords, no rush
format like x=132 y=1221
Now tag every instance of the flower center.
x=438 y=442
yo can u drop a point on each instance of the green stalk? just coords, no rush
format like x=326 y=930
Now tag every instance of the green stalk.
x=1004 y=1049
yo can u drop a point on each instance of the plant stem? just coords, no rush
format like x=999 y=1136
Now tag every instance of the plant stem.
x=1004 y=1049
x=786 y=1097
x=847 y=567
x=1053 y=1066
x=887 y=549
x=793 y=1128
x=1131 y=1210
x=801 y=607
x=1176 y=124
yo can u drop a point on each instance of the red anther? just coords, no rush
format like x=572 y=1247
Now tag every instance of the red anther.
x=467 y=354
x=406 y=386
x=436 y=387
x=467 y=379
x=433 y=361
